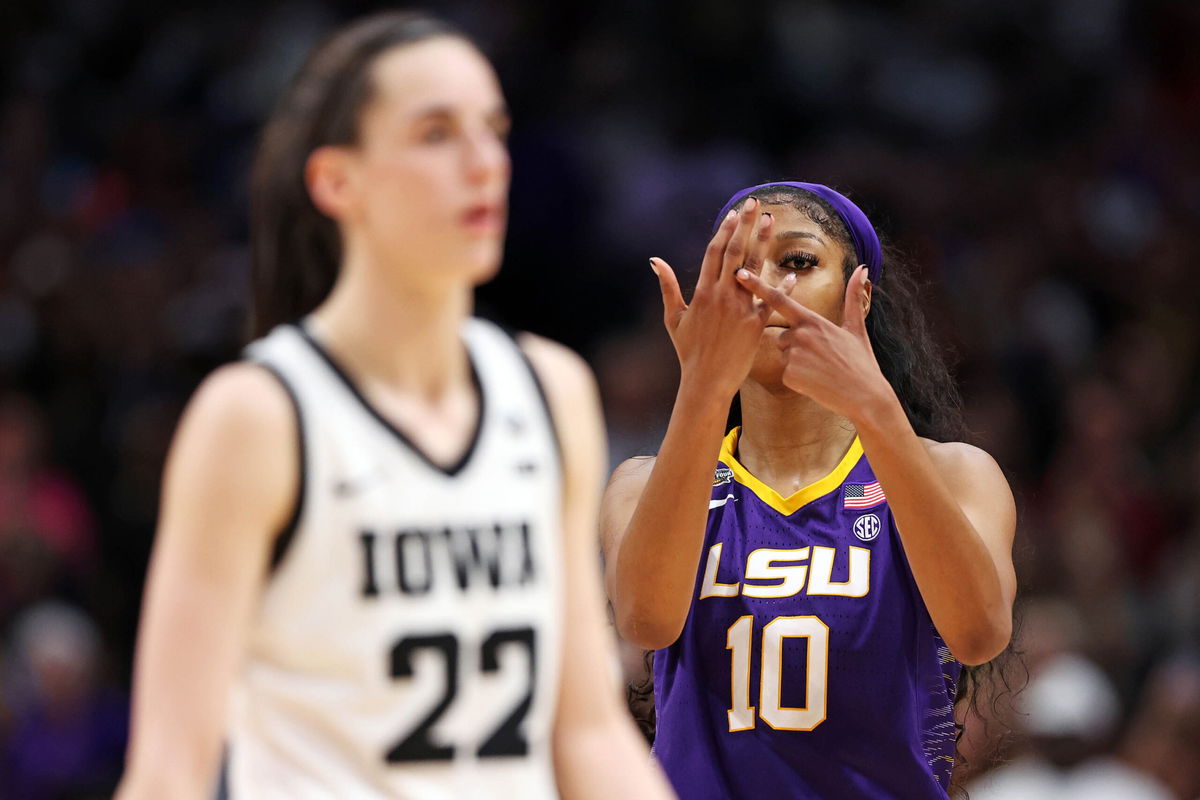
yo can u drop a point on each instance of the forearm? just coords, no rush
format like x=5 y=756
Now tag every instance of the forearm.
x=954 y=570
x=656 y=563
x=180 y=691
x=605 y=761
x=157 y=782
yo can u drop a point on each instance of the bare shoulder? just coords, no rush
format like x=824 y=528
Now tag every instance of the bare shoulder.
x=242 y=399
x=632 y=474
x=563 y=372
x=957 y=457
x=236 y=448
x=622 y=494
x=969 y=468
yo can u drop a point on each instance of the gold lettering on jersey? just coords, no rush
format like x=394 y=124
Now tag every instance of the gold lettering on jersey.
x=790 y=572
x=760 y=566
x=857 y=583
x=463 y=556
x=711 y=588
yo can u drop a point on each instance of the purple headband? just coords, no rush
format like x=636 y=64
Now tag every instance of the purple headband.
x=862 y=233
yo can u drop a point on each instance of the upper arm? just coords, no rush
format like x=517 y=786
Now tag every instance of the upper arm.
x=983 y=494
x=588 y=655
x=232 y=474
x=620 y=500
x=229 y=487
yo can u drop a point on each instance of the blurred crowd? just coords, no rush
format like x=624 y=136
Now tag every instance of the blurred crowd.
x=1037 y=160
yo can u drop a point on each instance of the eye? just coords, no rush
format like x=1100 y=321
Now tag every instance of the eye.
x=798 y=261
x=436 y=134
x=501 y=128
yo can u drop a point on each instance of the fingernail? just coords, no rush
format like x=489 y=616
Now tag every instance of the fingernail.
x=732 y=213
x=751 y=203
x=789 y=279
x=653 y=267
x=743 y=274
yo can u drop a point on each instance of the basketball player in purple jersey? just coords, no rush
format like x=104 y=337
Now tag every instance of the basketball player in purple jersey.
x=813 y=580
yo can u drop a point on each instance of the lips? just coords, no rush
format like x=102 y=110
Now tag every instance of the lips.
x=484 y=218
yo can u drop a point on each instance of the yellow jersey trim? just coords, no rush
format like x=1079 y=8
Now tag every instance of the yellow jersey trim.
x=788 y=505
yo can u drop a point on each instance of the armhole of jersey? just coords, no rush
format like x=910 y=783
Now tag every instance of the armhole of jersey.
x=287 y=533
x=541 y=390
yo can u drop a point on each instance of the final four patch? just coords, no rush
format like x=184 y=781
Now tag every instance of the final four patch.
x=722 y=476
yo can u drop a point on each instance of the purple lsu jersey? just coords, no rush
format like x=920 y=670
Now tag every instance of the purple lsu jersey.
x=808 y=668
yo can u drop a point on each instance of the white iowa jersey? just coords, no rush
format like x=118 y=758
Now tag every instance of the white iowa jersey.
x=408 y=640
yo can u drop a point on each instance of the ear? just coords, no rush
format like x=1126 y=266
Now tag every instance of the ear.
x=328 y=176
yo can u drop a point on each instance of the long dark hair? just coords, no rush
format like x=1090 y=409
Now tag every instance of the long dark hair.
x=295 y=249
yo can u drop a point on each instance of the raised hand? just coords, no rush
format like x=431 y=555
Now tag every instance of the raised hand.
x=717 y=335
x=833 y=364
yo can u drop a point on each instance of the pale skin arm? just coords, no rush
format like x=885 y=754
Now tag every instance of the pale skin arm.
x=598 y=752
x=229 y=485
x=652 y=528
x=953 y=507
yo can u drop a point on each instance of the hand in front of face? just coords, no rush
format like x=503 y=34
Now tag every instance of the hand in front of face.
x=833 y=364
x=717 y=335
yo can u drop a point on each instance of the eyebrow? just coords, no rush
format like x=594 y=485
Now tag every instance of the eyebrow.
x=500 y=112
x=799 y=235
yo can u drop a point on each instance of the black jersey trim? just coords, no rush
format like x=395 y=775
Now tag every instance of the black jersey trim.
x=283 y=540
x=541 y=390
x=449 y=471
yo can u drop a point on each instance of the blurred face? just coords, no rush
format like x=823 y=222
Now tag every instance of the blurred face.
x=427 y=183
x=800 y=247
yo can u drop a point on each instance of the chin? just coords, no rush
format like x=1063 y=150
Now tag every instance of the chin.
x=483 y=262
x=767 y=371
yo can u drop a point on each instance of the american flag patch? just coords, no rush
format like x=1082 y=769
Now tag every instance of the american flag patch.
x=862 y=495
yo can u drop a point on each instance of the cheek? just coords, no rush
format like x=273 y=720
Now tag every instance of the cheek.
x=403 y=195
x=825 y=298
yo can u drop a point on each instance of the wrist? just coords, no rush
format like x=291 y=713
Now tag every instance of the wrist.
x=702 y=401
x=879 y=412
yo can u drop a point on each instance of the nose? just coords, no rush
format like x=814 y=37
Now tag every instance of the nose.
x=486 y=157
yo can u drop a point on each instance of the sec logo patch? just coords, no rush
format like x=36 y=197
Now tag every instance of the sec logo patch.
x=867 y=527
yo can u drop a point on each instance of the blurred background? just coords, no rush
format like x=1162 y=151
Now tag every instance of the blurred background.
x=1038 y=160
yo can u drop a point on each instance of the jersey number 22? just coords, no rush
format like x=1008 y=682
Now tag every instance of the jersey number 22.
x=506 y=740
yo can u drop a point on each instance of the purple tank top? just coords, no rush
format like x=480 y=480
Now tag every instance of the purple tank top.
x=808 y=668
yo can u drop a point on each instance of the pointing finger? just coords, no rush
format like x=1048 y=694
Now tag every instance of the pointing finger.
x=777 y=298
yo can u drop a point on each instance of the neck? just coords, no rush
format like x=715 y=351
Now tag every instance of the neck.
x=788 y=440
x=402 y=335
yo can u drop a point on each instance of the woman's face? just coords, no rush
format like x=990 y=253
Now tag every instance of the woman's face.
x=427 y=183
x=798 y=246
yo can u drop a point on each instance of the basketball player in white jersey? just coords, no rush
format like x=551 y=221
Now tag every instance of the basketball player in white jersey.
x=375 y=573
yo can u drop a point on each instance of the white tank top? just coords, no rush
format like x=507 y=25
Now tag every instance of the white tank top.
x=408 y=640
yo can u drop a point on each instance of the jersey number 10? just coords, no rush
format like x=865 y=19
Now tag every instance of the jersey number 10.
x=506 y=740
x=738 y=640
